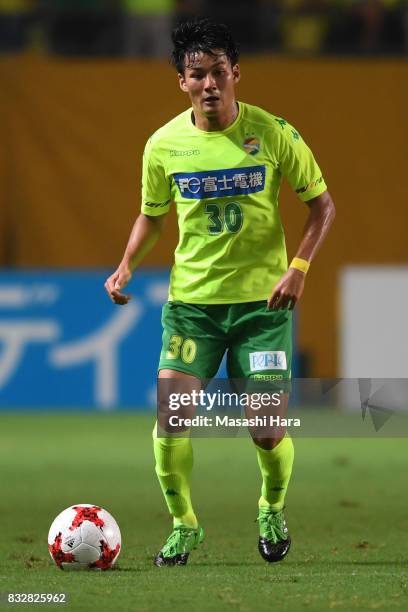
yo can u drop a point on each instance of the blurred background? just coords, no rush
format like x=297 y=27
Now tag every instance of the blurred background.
x=84 y=83
x=135 y=28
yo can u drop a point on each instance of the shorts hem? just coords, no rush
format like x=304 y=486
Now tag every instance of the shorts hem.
x=179 y=369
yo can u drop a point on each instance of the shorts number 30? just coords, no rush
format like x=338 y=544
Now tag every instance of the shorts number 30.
x=180 y=347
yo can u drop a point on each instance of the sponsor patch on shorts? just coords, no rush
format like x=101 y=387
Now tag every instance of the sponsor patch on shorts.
x=267 y=360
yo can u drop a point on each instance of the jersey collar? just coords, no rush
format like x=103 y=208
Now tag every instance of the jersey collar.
x=204 y=133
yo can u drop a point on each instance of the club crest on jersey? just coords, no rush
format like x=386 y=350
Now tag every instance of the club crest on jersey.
x=252 y=145
x=220 y=183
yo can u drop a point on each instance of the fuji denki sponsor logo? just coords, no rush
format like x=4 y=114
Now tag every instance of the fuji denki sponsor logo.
x=267 y=360
x=217 y=183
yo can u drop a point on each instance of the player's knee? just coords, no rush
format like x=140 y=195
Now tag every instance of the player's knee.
x=267 y=443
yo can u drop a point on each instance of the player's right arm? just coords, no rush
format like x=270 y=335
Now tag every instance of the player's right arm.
x=148 y=225
x=144 y=235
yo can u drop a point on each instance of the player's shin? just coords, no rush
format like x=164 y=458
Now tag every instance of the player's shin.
x=276 y=469
x=174 y=462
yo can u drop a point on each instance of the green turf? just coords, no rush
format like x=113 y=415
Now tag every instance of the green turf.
x=346 y=510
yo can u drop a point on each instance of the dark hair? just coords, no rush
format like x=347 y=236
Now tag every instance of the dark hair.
x=202 y=34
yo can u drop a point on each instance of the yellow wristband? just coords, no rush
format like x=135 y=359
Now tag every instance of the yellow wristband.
x=300 y=264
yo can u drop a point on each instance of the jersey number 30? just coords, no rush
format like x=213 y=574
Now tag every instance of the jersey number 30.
x=229 y=218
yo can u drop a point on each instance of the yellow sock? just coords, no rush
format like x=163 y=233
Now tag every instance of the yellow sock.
x=174 y=463
x=276 y=469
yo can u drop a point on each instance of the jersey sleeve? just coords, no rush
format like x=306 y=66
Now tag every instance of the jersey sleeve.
x=298 y=165
x=155 y=186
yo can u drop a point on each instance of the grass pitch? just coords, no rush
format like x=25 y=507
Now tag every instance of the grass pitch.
x=346 y=510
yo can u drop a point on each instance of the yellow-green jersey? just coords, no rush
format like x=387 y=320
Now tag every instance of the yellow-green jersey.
x=225 y=186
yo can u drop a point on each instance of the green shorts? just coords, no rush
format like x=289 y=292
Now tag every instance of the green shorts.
x=258 y=341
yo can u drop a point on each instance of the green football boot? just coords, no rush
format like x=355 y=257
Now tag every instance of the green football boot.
x=180 y=543
x=274 y=540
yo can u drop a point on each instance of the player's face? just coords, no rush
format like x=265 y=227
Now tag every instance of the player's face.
x=210 y=82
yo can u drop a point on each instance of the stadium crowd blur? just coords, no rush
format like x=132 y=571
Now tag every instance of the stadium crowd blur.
x=140 y=28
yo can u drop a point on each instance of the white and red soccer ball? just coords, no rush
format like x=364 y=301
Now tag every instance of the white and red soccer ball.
x=84 y=536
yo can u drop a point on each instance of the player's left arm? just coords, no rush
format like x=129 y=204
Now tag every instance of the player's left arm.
x=290 y=287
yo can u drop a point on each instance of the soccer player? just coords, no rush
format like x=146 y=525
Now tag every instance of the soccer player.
x=221 y=163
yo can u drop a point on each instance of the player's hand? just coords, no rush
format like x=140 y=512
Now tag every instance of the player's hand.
x=115 y=283
x=288 y=290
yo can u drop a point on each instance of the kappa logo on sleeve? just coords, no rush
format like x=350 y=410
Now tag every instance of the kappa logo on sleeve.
x=220 y=183
x=267 y=360
x=310 y=186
